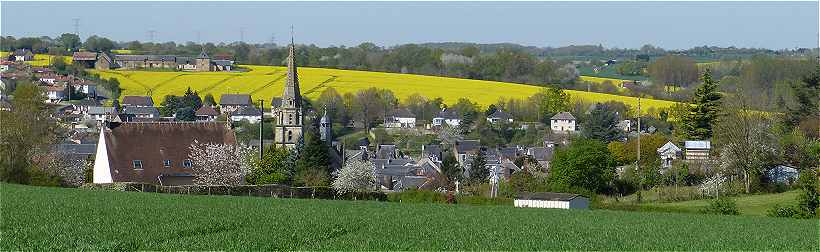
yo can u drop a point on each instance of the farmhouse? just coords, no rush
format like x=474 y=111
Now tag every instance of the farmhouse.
x=249 y=113
x=562 y=122
x=465 y=150
x=105 y=61
x=228 y=103
x=137 y=101
x=447 y=116
x=21 y=55
x=155 y=153
x=206 y=114
x=697 y=150
x=500 y=116
x=551 y=200
x=400 y=118
x=668 y=152
x=101 y=114
x=140 y=114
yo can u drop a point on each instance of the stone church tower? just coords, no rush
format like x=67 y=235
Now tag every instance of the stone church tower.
x=288 y=113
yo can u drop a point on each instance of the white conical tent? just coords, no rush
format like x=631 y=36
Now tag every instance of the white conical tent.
x=102 y=168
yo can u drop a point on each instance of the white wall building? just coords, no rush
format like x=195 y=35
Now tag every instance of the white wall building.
x=563 y=122
x=551 y=200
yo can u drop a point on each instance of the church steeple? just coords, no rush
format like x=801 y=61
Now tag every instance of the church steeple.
x=291 y=96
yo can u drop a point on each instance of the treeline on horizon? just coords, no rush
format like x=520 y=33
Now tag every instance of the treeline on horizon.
x=765 y=73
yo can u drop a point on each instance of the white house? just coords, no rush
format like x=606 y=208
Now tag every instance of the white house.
x=447 y=116
x=551 y=200
x=55 y=93
x=667 y=153
x=697 y=150
x=400 y=118
x=249 y=113
x=562 y=122
x=102 y=113
x=500 y=116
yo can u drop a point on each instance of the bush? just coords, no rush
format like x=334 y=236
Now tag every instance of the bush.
x=725 y=205
x=484 y=201
x=784 y=211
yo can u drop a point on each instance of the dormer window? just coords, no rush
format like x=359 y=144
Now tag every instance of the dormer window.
x=166 y=163
x=187 y=163
x=137 y=164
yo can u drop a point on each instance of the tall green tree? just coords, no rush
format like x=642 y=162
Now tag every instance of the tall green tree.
x=551 y=101
x=704 y=110
x=478 y=169
x=600 y=124
x=313 y=165
x=25 y=131
x=70 y=41
x=450 y=167
x=586 y=164
x=273 y=168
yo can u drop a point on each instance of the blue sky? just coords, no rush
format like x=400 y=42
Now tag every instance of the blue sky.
x=671 y=25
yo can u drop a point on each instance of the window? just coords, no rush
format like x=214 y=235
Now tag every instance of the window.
x=290 y=135
x=187 y=163
x=166 y=163
x=137 y=164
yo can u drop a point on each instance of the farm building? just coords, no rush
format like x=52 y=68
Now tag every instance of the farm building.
x=400 y=118
x=104 y=61
x=228 y=103
x=551 y=200
x=447 y=116
x=562 y=122
x=248 y=113
x=155 y=153
x=667 y=153
x=500 y=116
x=697 y=150
x=206 y=113
x=137 y=101
x=21 y=55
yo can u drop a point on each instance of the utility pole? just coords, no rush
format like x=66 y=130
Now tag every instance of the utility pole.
x=242 y=34
x=638 y=162
x=199 y=37
x=261 y=123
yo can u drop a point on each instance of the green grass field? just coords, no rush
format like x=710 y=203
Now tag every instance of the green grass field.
x=267 y=81
x=36 y=218
x=748 y=205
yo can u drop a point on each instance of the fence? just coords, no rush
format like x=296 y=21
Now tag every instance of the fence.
x=273 y=191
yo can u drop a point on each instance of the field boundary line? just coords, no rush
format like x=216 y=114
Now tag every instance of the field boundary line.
x=220 y=82
x=267 y=84
x=321 y=85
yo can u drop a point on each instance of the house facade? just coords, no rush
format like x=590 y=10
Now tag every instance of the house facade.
x=447 y=116
x=400 y=118
x=228 y=103
x=155 y=153
x=563 y=122
x=249 y=113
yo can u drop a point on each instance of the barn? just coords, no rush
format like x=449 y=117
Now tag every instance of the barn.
x=551 y=200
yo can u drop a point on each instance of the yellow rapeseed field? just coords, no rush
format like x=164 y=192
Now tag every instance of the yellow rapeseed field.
x=264 y=82
x=600 y=80
x=40 y=60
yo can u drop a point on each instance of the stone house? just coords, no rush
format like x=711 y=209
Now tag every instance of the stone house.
x=563 y=122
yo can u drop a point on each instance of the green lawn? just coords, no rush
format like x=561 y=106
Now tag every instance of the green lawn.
x=748 y=205
x=35 y=218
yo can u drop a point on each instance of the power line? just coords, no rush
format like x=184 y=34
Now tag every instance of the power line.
x=241 y=34
x=76 y=26
x=151 y=34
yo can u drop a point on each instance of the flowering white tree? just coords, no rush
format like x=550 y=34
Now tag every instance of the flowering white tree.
x=219 y=164
x=355 y=176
